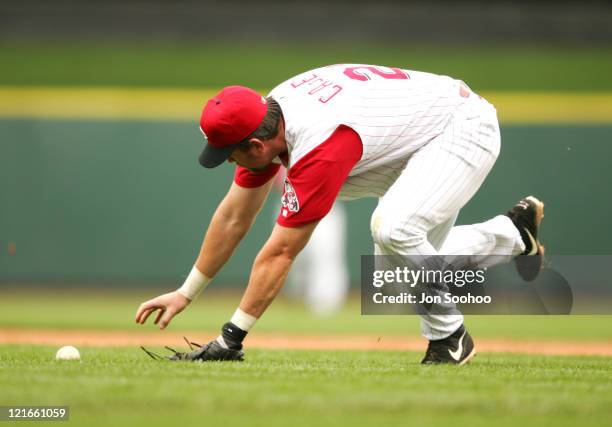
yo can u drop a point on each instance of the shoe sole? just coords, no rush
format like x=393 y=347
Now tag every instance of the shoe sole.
x=465 y=360
x=529 y=266
x=539 y=205
x=468 y=357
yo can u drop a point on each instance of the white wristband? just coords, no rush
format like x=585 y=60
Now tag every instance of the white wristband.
x=195 y=283
x=243 y=320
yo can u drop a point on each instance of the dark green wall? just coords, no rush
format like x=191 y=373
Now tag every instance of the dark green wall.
x=104 y=201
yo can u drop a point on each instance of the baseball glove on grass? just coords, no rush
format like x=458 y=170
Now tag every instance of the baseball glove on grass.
x=201 y=353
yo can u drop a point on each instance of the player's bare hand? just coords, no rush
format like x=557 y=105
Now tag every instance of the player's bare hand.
x=167 y=306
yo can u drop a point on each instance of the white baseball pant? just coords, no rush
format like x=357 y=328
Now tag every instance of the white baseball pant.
x=417 y=214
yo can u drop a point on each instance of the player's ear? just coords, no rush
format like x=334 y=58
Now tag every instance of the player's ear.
x=256 y=144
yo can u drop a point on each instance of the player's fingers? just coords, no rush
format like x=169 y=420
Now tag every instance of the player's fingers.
x=159 y=316
x=166 y=318
x=141 y=309
x=145 y=314
x=139 y=313
x=144 y=308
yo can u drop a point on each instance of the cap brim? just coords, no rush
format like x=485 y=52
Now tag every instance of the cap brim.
x=212 y=157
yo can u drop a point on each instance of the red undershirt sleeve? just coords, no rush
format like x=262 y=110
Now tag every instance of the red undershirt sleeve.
x=313 y=183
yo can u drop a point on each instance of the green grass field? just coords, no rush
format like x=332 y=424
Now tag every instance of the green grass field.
x=122 y=386
x=117 y=386
x=114 y=310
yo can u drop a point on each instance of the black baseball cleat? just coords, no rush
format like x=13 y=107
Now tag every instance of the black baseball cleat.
x=213 y=351
x=527 y=216
x=210 y=352
x=457 y=349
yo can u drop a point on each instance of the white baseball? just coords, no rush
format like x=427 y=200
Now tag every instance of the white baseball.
x=68 y=353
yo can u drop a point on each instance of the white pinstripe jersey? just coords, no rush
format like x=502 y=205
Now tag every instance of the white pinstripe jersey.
x=395 y=112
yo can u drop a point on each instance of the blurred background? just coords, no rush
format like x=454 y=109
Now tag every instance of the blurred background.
x=100 y=100
x=103 y=205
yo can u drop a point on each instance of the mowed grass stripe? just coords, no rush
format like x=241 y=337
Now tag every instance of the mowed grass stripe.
x=186 y=104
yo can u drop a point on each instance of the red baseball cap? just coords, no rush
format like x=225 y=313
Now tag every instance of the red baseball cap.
x=228 y=118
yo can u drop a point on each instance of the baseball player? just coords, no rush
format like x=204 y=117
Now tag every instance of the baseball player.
x=421 y=143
